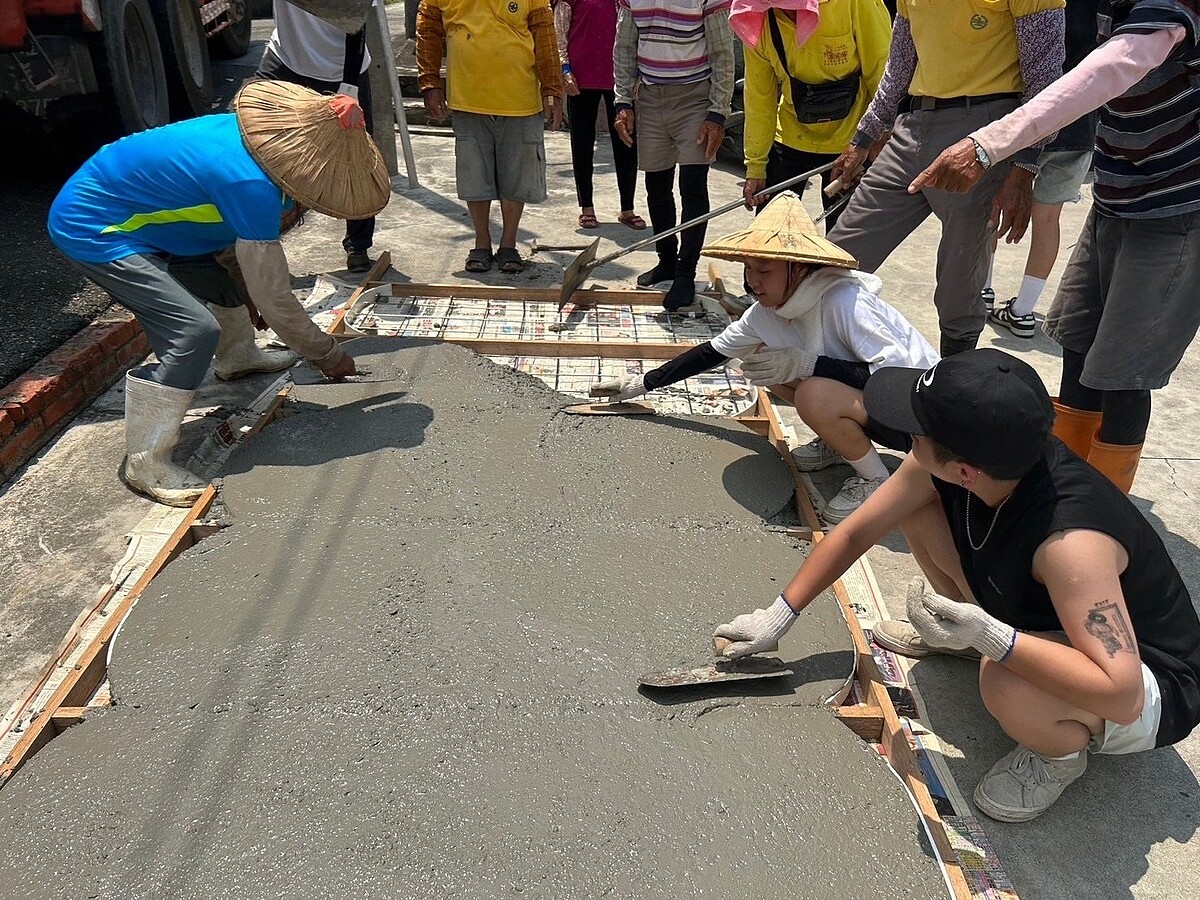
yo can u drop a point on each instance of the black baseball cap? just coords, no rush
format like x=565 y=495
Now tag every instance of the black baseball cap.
x=985 y=406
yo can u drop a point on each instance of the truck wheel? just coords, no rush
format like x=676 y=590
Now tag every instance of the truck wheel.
x=185 y=57
x=233 y=40
x=129 y=65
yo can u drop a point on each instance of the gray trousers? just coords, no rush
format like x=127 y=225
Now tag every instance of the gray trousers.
x=180 y=329
x=882 y=213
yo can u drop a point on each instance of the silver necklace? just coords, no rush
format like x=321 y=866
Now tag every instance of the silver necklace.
x=995 y=516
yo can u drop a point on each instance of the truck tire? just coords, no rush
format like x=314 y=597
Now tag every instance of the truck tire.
x=233 y=40
x=185 y=57
x=129 y=66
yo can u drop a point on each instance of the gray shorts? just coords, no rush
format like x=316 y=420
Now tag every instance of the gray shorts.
x=667 y=118
x=1060 y=176
x=499 y=157
x=1127 y=299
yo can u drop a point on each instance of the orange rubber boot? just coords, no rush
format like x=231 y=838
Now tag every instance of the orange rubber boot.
x=1075 y=427
x=1119 y=462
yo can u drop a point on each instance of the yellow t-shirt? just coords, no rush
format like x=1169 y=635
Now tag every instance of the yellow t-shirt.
x=490 y=66
x=967 y=48
x=851 y=35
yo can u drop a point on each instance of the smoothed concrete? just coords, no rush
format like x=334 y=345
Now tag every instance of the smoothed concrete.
x=409 y=669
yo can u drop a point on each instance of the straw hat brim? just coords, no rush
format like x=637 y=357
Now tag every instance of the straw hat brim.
x=294 y=134
x=783 y=230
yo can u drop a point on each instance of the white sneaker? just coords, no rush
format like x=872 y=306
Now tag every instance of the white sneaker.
x=814 y=456
x=854 y=491
x=1023 y=785
x=1022 y=326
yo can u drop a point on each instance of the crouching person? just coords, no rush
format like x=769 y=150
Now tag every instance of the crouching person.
x=1089 y=639
x=199 y=187
x=814 y=336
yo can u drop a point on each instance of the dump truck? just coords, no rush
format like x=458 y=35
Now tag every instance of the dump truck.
x=137 y=63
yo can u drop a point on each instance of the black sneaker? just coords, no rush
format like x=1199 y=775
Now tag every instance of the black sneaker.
x=1022 y=326
x=358 y=261
x=989 y=299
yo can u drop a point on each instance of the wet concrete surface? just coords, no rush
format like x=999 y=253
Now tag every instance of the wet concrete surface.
x=409 y=667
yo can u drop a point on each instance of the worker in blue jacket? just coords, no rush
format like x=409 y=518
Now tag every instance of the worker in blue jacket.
x=200 y=187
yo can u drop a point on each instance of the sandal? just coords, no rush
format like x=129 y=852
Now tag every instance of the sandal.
x=479 y=260
x=588 y=220
x=509 y=260
x=632 y=220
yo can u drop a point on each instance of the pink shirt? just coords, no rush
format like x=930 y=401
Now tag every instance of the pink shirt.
x=1105 y=73
x=590 y=42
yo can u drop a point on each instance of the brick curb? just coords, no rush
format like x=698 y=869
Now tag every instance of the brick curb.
x=36 y=406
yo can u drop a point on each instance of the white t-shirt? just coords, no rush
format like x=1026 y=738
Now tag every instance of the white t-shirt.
x=859 y=327
x=308 y=45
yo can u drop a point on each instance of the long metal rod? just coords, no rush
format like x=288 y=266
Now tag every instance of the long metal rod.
x=719 y=211
x=410 y=163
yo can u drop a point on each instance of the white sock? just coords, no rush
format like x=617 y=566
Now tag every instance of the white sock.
x=991 y=267
x=1031 y=293
x=870 y=466
x=1070 y=757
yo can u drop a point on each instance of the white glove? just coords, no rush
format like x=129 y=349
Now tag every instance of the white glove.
x=768 y=367
x=957 y=624
x=619 y=389
x=757 y=631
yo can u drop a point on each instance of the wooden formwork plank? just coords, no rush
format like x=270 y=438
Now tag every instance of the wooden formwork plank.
x=891 y=734
x=574 y=349
x=370 y=280
x=581 y=298
x=90 y=670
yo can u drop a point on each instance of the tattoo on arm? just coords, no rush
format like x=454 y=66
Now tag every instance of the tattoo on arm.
x=1107 y=624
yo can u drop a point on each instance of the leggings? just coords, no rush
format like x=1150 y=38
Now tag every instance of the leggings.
x=1125 y=414
x=660 y=198
x=582 y=111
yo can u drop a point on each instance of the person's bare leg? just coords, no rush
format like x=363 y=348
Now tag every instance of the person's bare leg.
x=1037 y=720
x=932 y=545
x=481 y=216
x=510 y=216
x=836 y=413
x=1044 y=239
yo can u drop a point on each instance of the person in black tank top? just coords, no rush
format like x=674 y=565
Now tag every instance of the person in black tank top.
x=1090 y=640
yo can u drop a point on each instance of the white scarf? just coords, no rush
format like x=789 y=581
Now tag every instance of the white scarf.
x=804 y=306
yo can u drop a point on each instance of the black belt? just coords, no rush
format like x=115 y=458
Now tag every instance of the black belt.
x=910 y=103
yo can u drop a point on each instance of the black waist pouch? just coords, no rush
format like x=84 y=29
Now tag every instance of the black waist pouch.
x=830 y=101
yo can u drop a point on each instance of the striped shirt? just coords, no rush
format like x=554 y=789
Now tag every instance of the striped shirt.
x=671 y=45
x=1148 y=143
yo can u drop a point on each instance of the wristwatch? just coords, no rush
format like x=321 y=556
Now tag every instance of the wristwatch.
x=981 y=155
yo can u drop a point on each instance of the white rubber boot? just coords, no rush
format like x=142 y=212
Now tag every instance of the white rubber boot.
x=153 y=414
x=237 y=354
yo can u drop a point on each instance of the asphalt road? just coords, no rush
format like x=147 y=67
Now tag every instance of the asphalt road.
x=43 y=299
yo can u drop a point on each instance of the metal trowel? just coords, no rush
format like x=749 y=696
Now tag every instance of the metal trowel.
x=718 y=670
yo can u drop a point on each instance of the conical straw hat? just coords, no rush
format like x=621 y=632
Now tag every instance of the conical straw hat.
x=294 y=134
x=783 y=230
